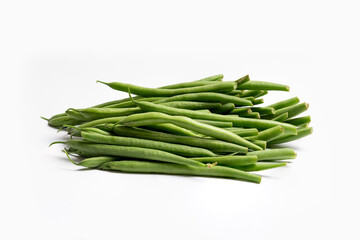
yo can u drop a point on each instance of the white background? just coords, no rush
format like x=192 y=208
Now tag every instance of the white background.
x=53 y=51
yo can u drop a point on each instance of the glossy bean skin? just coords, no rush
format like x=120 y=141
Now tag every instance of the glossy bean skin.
x=281 y=117
x=151 y=118
x=299 y=121
x=211 y=144
x=237 y=121
x=156 y=92
x=178 y=149
x=285 y=103
x=133 y=152
x=169 y=168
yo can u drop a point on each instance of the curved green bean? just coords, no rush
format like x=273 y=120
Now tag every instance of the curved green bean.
x=169 y=168
x=274 y=154
x=182 y=150
x=261 y=166
x=260 y=85
x=156 y=92
x=229 y=160
x=133 y=152
x=268 y=134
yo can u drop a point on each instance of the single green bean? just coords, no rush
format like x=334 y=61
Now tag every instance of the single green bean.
x=171 y=128
x=240 y=110
x=211 y=144
x=299 y=121
x=235 y=93
x=262 y=144
x=208 y=97
x=229 y=160
x=281 y=117
x=261 y=166
x=60 y=121
x=168 y=168
x=274 y=154
x=268 y=134
x=101 y=121
x=302 y=132
x=244 y=132
x=130 y=104
x=263 y=110
x=250 y=115
x=96 y=113
x=155 y=92
x=260 y=85
x=195 y=105
x=251 y=93
x=151 y=118
x=178 y=149
x=133 y=152
x=285 y=103
x=219 y=124
x=243 y=80
x=237 y=121
x=92 y=162
x=201 y=82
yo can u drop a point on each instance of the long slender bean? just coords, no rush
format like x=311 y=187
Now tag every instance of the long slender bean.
x=263 y=110
x=299 y=121
x=182 y=150
x=208 y=97
x=260 y=166
x=240 y=110
x=260 y=85
x=201 y=82
x=285 y=103
x=169 y=168
x=244 y=132
x=229 y=160
x=196 y=105
x=224 y=109
x=96 y=113
x=268 y=134
x=274 y=154
x=155 y=92
x=281 y=117
x=92 y=162
x=133 y=152
x=219 y=124
x=171 y=128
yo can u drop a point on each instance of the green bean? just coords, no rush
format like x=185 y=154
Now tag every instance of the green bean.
x=203 y=81
x=302 y=132
x=274 y=154
x=299 y=121
x=262 y=94
x=203 y=110
x=235 y=93
x=133 y=152
x=237 y=121
x=194 y=105
x=155 y=92
x=92 y=162
x=77 y=131
x=240 y=110
x=168 y=168
x=208 y=97
x=292 y=111
x=268 y=134
x=261 y=166
x=281 y=117
x=178 y=149
x=258 y=101
x=243 y=80
x=171 y=128
x=263 y=110
x=244 y=132
x=60 y=121
x=130 y=104
x=101 y=121
x=250 y=115
x=211 y=144
x=226 y=108
x=262 y=144
x=285 y=103
x=259 y=85
x=96 y=113
x=151 y=118
x=251 y=93
x=229 y=160
x=219 y=124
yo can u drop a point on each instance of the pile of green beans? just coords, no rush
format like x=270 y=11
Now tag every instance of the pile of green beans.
x=208 y=127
